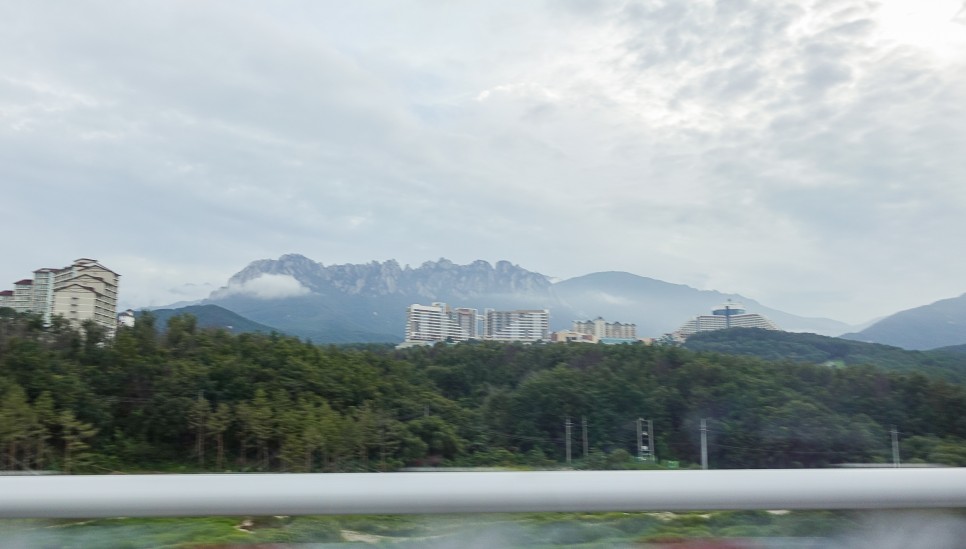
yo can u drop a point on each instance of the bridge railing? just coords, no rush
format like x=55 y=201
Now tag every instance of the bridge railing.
x=79 y=496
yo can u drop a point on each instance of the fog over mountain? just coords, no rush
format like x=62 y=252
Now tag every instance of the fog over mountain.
x=367 y=302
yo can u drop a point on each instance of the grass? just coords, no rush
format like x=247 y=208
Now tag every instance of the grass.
x=442 y=531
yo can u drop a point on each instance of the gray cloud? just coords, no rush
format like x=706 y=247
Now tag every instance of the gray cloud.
x=784 y=150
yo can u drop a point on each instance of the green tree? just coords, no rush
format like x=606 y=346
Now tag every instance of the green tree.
x=18 y=424
x=75 y=435
x=198 y=417
x=218 y=423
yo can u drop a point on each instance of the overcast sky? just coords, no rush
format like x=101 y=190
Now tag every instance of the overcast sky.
x=808 y=154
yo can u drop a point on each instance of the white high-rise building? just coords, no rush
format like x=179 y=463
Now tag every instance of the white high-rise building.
x=23 y=296
x=526 y=325
x=438 y=322
x=6 y=298
x=43 y=293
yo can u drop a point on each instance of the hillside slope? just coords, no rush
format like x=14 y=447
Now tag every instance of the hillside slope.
x=211 y=316
x=817 y=349
x=939 y=324
x=659 y=307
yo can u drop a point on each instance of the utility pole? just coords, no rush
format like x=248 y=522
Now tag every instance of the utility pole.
x=640 y=439
x=567 y=430
x=651 y=447
x=583 y=423
x=895 y=447
x=704 y=444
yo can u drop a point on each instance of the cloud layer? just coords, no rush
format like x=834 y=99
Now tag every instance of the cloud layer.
x=267 y=286
x=808 y=154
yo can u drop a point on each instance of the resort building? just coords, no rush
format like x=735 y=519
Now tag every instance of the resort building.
x=729 y=315
x=84 y=290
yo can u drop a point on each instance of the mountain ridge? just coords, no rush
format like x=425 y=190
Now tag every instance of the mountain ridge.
x=367 y=302
x=209 y=316
x=938 y=324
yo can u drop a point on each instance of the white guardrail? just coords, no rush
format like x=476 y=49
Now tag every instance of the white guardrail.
x=81 y=496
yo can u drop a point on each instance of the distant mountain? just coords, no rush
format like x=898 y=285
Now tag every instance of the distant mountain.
x=812 y=348
x=210 y=316
x=659 y=307
x=939 y=324
x=952 y=349
x=367 y=302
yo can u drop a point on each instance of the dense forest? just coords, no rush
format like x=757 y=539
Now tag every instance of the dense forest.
x=191 y=399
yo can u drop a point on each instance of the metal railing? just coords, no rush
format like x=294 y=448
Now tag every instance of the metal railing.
x=67 y=496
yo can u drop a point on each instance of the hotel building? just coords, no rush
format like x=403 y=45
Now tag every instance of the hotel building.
x=84 y=290
x=729 y=315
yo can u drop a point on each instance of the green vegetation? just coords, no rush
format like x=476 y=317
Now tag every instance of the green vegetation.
x=210 y=316
x=192 y=399
x=444 y=531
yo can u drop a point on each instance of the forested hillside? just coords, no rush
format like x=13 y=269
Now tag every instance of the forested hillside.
x=197 y=399
x=210 y=316
x=817 y=349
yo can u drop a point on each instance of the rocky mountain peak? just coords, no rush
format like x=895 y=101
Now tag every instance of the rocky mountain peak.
x=432 y=280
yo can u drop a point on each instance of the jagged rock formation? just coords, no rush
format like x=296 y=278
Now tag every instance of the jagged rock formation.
x=430 y=281
x=367 y=302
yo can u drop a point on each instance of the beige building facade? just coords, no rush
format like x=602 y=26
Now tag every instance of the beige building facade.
x=84 y=290
x=601 y=329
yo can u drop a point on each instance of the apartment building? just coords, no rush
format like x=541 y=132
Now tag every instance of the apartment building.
x=43 y=293
x=527 y=325
x=440 y=322
x=601 y=329
x=6 y=298
x=23 y=295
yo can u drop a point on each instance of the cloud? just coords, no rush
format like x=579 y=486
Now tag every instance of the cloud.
x=268 y=286
x=772 y=148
